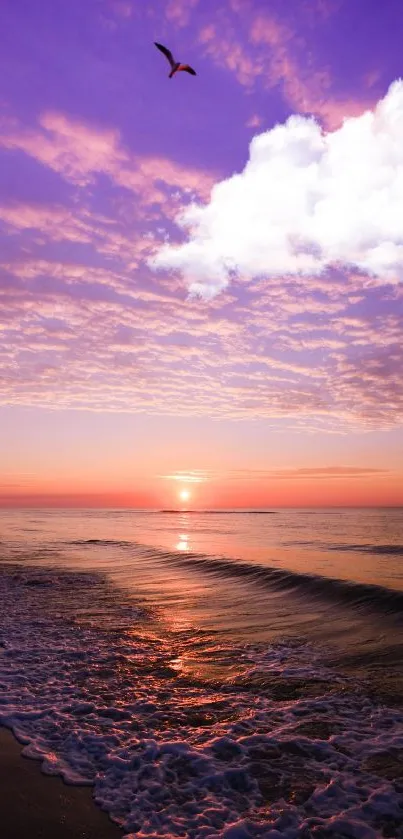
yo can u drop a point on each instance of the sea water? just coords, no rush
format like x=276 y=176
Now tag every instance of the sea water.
x=211 y=674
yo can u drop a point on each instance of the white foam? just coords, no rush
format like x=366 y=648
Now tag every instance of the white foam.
x=168 y=755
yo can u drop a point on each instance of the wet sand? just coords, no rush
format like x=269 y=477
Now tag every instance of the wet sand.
x=42 y=806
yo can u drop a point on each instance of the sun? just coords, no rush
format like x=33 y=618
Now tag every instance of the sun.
x=184 y=495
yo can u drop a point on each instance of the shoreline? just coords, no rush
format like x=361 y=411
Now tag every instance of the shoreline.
x=44 y=806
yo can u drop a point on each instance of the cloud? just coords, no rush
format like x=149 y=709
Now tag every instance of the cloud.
x=56 y=223
x=227 y=52
x=310 y=473
x=276 y=55
x=85 y=325
x=179 y=11
x=88 y=336
x=81 y=152
x=254 y=121
x=331 y=472
x=306 y=200
x=193 y=476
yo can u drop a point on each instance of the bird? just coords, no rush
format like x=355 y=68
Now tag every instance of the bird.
x=175 y=65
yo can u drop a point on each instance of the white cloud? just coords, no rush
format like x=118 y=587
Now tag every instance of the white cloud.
x=306 y=200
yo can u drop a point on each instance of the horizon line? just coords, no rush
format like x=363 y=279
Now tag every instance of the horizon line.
x=239 y=510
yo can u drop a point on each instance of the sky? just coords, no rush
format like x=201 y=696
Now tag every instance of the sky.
x=201 y=277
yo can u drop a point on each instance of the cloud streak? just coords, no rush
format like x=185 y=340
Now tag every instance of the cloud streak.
x=80 y=153
x=305 y=201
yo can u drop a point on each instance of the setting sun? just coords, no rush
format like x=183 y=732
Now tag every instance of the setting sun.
x=184 y=495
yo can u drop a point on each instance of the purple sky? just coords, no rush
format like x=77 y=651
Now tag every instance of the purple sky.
x=111 y=377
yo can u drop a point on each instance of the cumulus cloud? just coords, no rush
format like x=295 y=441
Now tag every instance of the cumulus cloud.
x=306 y=200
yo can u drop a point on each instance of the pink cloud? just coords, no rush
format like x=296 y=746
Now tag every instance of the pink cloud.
x=273 y=60
x=79 y=152
x=179 y=11
x=306 y=89
x=254 y=121
x=227 y=52
x=55 y=223
x=63 y=326
x=69 y=147
x=41 y=224
x=330 y=472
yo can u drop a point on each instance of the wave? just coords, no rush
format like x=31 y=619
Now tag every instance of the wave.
x=359 y=595
x=368 y=596
x=116 y=543
x=225 y=512
x=377 y=550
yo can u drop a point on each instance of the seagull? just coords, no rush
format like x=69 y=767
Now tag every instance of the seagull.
x=175 y=65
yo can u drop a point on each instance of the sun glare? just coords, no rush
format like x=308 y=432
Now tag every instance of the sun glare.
x=184 y=495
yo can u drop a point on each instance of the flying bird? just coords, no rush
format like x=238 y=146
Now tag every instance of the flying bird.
x=175 y=65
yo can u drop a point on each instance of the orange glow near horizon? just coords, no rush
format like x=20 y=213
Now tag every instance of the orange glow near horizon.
x=81 y=460
x=226 y=491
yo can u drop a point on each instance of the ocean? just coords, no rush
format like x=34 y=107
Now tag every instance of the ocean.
x=211 y=674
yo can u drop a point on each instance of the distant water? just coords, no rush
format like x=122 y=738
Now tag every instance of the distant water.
x=211 y=674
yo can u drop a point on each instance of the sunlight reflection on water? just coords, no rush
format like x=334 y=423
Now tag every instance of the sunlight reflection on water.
x=183 y=543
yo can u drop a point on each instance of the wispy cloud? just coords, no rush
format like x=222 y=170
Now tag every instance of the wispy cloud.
x=263 y=475
x=331 y=472
x=179 y=12
x=56 y=223
x=89 y=337
x=274 y=54
x=227 y=52
x=79 y=152
x=193 y=476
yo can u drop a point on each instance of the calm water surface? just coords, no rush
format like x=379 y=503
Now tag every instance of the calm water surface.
x=218 y=570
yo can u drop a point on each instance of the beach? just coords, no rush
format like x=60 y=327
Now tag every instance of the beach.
x=203 y=692
x=45 y=807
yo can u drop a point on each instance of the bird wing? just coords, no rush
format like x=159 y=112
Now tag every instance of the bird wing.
x=187 y=69
x=167 y=53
